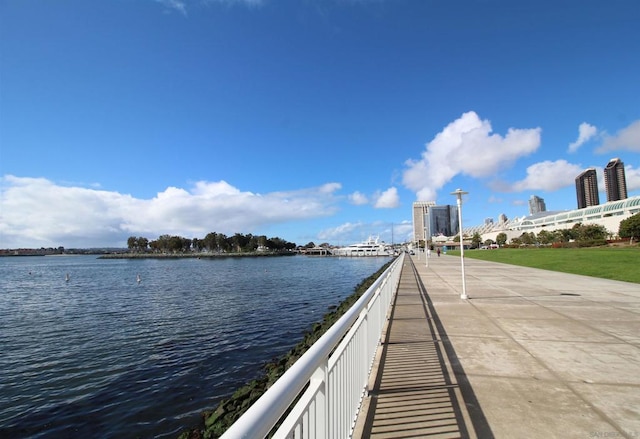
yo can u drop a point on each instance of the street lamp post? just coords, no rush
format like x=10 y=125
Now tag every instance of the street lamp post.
x=459 y=193
x=426 y=254
x=427 y=229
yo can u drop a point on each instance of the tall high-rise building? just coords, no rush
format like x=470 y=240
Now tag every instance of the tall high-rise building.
x=443 y=220
x=431 y=220
x=587 y=189
x=615 y=181
x=536 y=205
x=420 y=219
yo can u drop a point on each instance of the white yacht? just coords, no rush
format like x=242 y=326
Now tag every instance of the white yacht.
x=370 y=247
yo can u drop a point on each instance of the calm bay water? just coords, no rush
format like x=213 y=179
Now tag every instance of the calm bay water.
x=103 y=356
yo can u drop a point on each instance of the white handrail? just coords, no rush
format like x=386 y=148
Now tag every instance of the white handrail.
x=336 y=370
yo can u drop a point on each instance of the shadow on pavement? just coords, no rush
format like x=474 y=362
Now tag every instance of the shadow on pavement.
x=413 y=394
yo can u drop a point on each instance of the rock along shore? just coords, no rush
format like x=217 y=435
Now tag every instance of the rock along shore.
x=216 y=422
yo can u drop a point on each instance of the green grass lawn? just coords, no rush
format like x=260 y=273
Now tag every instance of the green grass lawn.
x=619 y=263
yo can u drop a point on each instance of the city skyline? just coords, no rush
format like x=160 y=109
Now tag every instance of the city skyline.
x=308 y=121
x=587 y=191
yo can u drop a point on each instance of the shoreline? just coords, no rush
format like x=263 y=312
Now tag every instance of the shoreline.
x=194 y=255
x=216 y=421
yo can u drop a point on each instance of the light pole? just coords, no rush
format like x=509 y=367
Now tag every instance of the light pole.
x=426 y=255
x=459 y=193
x=427 y=226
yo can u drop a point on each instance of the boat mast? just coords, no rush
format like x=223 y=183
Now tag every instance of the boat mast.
x=391 y=234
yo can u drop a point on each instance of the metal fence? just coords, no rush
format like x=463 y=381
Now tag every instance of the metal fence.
x=333 y=374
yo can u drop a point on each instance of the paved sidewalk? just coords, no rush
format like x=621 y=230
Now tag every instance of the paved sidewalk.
x=530 y=354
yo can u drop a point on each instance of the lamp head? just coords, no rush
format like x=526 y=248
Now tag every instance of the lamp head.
x=459 y=193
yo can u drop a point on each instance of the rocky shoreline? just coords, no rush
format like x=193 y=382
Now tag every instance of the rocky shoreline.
x=216 y=422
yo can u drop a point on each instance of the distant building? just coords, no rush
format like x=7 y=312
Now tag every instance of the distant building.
x=430 y=220
x=615 y=181
x=420 y=214
x=587 y=189
x=607 y=215
x=443 y=220
x=536 y=205
x=502 y=219
x=488 y=221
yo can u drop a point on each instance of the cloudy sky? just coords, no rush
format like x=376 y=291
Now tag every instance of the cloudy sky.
x=309 y=120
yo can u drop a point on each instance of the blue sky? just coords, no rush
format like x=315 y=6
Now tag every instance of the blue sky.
x=308 y=120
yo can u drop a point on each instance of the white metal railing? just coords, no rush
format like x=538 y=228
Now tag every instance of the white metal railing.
x=335 y=371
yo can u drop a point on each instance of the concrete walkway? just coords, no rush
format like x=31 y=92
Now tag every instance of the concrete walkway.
x=530 y=354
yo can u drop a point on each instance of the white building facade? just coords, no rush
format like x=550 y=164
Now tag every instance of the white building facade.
x=609 y=215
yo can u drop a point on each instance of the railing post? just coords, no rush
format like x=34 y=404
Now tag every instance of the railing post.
x=316 y=413
x=322 y=401
x=365 y=340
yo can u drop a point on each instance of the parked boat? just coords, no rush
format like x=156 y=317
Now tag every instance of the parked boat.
x=371 y=247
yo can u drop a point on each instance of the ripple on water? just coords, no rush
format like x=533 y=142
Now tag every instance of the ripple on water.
x=105 y=356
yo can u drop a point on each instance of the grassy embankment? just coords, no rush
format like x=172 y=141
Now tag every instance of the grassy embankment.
x=618 y=263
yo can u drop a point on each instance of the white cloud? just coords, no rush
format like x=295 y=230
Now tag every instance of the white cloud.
x=37 y=212
x=358 y=198
x=387 y=199
x=234 y=2
x=341 y=232
x=329 y=188
x=627 y=139
x=632 y=176
x=548 y=176
x=176 y=5
x=349 y=233
x=466 y=146
x=181 y=5
x=585 y=133
x=403 y=231
x=380 y=200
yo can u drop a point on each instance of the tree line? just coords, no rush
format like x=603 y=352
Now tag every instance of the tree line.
x=580 y=235
x=583 y=235
x=213 y=242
